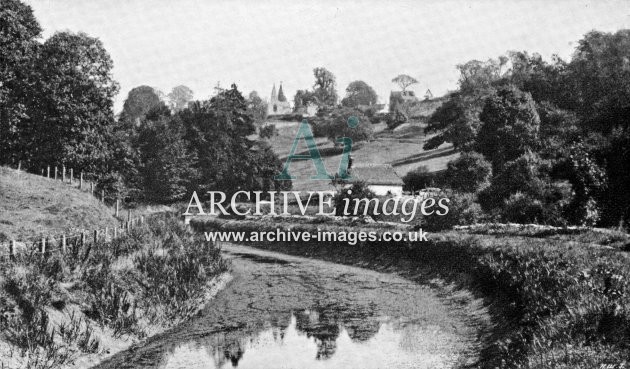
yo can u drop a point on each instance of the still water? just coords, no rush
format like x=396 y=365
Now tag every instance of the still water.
x=287 y=312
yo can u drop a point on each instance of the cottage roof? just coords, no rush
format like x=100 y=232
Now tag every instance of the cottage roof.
x=376 y=174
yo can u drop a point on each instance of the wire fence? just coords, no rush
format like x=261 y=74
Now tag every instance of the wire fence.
x=62 y=242
x=66 y=243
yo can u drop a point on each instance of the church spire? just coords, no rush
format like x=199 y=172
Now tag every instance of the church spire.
x=273 y=92
x=281 y=96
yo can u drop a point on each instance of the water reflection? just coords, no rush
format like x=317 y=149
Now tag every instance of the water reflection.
x=317 y=338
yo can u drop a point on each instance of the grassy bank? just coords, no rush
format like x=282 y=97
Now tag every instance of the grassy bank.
x=559 y=300
x=61 y=307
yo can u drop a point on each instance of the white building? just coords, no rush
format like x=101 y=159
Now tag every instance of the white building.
x=278 y=104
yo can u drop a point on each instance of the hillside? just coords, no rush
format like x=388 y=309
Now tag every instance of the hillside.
x=32 y=206
x=402 y=148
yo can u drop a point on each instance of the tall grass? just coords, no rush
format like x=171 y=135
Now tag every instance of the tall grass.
x=153 y=275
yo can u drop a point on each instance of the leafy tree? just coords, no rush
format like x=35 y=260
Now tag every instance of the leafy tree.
x=404 y=81
x=257 y=107
x=139 y=101
x=468 y=173
x=324 y=89
x=418 y=179
x=19 y=31
x=510 y=125
x=456 y=122
x=73 y=124
x=359 y=93
x=166 y=163
x=179 y=97
x=334 y=125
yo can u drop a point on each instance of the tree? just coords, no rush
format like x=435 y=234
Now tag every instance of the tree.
x=73 y=125
x=179 y=97
x=165 y=161
x=19 y=31
x=456 y=122
x=404 y=81
x=468 y=173
x=324 y=88
x=139 y=101
x=419 y=179
x=303 y=98
x=509 y=128
x=257 y=107
x=359 y=93
x=334 y=125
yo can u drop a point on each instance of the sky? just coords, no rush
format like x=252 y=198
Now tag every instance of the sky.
x=164 y=43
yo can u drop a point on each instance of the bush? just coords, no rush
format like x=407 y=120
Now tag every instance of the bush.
x=418 y=179
x=468 y=173
x=268 y=131
x=462 y=210
x=358 y=190
x=333 y=123
x=396 y=118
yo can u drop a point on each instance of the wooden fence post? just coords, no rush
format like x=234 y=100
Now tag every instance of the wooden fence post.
x=128 y=215
x=12 y=249
x=63 y=243
x=63 y=173
x=82 y=239
x=95 y=235
x=71 y=175
x=81 y=185
x=92 y=188
x=115 y=232
x=42 y=172
x=48 y=172
x=43 y=247
x=117 y=207
x=102 y=195
x=19 y=165
x=55 y=172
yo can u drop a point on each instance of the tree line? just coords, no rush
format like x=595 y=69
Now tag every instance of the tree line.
x=543 y=141
x=56 y=108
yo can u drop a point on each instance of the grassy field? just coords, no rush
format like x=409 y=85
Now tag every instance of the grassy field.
x=401 y=147
x=33 y=206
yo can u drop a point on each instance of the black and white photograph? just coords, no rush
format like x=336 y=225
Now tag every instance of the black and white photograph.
x=335 y=184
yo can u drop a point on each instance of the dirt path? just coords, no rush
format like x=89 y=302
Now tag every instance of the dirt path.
x=283 y=311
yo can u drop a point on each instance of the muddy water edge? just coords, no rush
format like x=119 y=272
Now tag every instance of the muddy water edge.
x=282 y=311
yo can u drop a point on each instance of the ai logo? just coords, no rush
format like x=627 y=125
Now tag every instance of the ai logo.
x=305 y=133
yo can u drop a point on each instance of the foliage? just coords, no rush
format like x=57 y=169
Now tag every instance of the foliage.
x=468 y=173
x=303 y=98
x=257 y=107
x=179 y=97
x=397 y=117
x=510 y=125
x=418 y=179
x=345 y=199
x=404 y=81
x=359 y=93
x=324 y=88
x=18 y=51
x=268 y=131
x=456 y=122
x=139 y=102
x=333 y=124
x=462 y=210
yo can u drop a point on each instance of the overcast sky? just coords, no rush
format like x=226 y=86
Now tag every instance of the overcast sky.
x=163 y=43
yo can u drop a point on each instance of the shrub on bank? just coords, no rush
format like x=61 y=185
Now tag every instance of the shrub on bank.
x=152 y=276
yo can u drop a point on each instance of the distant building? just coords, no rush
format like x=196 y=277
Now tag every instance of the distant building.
x=278 y=103
x=428 y=95
x=381 y=179
x=402 y=98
